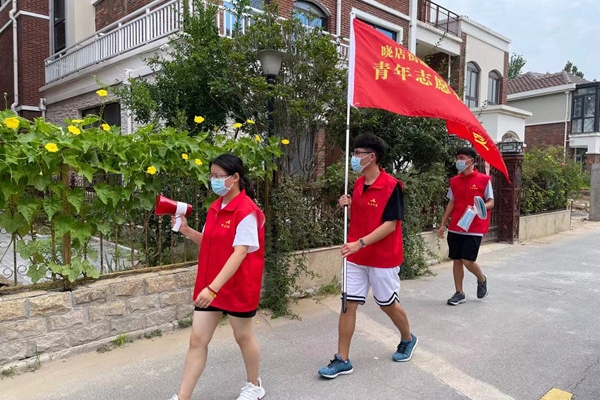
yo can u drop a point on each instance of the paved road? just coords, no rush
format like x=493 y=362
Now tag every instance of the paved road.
x=537 y=330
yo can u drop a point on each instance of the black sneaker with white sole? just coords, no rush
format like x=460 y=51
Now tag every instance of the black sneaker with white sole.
x=482 y=288
x=457 y=299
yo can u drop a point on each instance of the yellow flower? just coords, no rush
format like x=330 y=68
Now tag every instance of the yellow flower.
x=185 y=156
x=11 y=122
x=106 y=127
x=51 y=147
x=102 y=92
x=250 y=121
x=257 y=138
x=285 y=141
x=74 y=130
x=151 y=170
x=76 y=121
x=198 y=119
x=237 y=125
x=198 y=161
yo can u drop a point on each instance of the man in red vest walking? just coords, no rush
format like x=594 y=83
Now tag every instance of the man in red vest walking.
x=464 y=243
x=374 y=251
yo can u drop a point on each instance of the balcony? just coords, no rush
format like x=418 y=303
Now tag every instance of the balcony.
x=438 y=17
x=140 y=28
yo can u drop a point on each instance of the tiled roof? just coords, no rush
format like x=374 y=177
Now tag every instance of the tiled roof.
x=534 y=80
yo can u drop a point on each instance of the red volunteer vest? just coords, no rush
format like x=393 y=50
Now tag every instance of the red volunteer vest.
x=465 y=188
x=241 y=293
x=366 y=215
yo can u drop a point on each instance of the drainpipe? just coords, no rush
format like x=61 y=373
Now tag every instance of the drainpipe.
x=338 y=18
x=412 y=36
x=566 y=125
x=11 y=15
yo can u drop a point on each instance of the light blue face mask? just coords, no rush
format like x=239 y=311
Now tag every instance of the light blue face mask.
x=218 y=186
x=355 y=164
x=461 y=165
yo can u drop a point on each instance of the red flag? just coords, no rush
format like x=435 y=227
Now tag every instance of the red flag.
x=385 y=75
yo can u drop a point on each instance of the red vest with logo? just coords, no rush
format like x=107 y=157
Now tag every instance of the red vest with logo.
x=465 y=188
x=241 y=293
x=367 y=215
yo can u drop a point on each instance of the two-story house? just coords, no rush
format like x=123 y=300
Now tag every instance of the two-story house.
x=83 y=42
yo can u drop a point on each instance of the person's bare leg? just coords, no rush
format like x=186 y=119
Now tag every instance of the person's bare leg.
x=346 y=325
x=243 y=331
x=473 y=268
x=399 y=318
x=204 y=324
x=459 y=274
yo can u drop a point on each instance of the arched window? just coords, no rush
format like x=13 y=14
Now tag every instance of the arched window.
x=310 y=14
x=494 y=80
x=472 y=85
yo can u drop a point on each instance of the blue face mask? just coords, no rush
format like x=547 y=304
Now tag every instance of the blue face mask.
x=218 y=186
x=355 y=163
x=461 y=165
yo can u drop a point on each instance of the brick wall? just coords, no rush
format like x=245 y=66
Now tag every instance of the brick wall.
x=56 y=324
x=109 y=11
x=6 y=66
x=72 y=108
x=540 y=136
x=33 y=49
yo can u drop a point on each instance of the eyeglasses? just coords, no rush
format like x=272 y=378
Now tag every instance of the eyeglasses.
x=220 y=177
x=358 y=153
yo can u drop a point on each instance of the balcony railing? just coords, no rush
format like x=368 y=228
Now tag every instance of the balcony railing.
x=438 y=16
x=144 y=26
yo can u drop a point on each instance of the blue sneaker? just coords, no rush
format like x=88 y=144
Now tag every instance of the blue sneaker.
x=405 y=349
x=336 y=367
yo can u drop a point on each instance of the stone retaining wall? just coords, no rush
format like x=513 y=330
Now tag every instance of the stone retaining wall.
x=37 y=326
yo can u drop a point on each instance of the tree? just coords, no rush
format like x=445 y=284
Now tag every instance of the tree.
x=572 y=69
x=220 y=79
x=515 y=65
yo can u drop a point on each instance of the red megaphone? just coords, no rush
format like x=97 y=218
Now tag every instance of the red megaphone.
x=166 y=206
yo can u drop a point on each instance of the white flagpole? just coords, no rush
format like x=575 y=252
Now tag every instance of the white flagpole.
x=351 y=54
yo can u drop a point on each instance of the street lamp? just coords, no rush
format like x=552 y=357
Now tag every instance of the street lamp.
x=270 y=63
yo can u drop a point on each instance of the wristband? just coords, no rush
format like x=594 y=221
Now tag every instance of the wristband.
x=214 y=294
x=362 y=242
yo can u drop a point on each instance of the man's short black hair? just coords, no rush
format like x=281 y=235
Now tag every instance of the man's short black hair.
x=467 y=151
x=371 y=142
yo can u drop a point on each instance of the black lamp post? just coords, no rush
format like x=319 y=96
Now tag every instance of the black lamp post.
x=270 y=64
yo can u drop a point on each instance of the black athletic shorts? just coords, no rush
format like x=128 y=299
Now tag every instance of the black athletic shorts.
x=248 y=314
x=463 y=247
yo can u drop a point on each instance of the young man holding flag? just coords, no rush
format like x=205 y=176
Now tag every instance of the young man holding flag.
x=374 y=251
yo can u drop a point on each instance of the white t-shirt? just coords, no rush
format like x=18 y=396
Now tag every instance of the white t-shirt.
x=246 y=233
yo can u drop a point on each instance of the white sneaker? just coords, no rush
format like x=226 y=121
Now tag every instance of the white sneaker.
x=175 y=397
x=252 y=392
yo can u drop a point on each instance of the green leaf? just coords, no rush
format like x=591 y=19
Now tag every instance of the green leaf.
x=51 y=206
x=76 y=197
x=28 y=208
x=36 y=272
x=12 y=223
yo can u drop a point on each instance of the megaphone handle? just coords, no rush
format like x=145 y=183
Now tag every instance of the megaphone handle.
x=177 y=224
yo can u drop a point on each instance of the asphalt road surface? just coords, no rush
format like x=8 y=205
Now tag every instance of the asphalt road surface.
x=535 y=335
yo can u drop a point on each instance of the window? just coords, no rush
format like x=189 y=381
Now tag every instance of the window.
x=110 y=113
x=230 y=18
x=387 y=32
x=59 y=30
x=310 y=14
x=585 y=109
x=472 y=85
x=494 y=80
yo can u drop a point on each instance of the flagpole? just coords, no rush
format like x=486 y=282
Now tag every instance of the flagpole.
x=345 y=261
x=351 y=61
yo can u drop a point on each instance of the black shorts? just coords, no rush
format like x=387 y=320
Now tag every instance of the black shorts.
x=463 y=247
x=247 y=314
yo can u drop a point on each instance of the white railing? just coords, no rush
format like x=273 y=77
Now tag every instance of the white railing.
x=158 y=20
